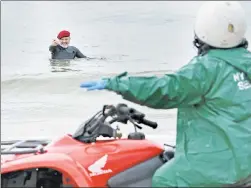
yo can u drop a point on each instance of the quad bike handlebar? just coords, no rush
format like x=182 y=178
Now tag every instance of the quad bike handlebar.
x=98 y=126
x=131 y=114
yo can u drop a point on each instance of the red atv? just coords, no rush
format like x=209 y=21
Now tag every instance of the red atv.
x=80 y=160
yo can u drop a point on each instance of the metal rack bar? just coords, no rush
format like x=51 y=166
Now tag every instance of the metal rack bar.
x=29 y=146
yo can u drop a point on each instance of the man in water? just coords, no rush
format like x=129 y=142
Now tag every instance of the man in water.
x=213 y=97
x=60 y=48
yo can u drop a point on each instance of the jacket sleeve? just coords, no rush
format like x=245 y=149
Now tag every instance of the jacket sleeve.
x=79 y=54
x=184 y=88
x=52 y=48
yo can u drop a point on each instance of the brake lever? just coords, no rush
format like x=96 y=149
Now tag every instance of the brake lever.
x=136 y=125
x=139 y=121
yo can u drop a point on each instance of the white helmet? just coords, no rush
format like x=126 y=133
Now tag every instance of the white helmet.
x=221 y=24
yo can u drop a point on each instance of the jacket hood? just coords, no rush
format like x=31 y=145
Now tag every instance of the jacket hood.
x=237 y=57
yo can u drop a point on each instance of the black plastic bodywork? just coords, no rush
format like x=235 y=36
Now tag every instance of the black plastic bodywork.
x=36 y=177
x=137 y=176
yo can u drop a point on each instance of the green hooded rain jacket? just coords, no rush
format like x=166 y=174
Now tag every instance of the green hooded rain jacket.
x=213 y=97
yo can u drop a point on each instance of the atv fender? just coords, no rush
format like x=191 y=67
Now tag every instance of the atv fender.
x=60 y=162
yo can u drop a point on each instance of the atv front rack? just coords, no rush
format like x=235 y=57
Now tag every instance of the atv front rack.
x=27 y=146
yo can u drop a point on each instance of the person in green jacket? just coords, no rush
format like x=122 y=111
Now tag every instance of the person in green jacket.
x=213 y=96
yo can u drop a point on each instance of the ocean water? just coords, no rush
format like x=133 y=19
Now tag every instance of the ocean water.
x=42 y=99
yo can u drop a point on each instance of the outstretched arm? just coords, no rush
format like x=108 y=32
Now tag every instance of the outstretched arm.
x=183 y=88
x=80 y=54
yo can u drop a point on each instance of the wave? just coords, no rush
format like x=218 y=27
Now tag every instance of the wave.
x=36 y=84
x=69 y=76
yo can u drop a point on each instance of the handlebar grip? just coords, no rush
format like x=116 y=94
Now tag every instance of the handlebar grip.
x=152 y=124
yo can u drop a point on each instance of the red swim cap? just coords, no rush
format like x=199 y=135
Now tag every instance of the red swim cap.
x=63 y=33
